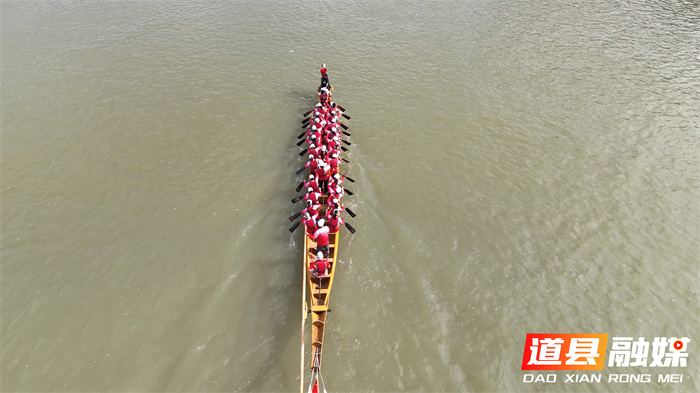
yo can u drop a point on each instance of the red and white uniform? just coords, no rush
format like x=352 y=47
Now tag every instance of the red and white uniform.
x=335 y=204
x=312 y=211
x=312 y=196
x=311 y=226
x=336 y=192
x=311 y=183
x=321 y=236
x=324 y=174
x=318 y=267
x=334 y=223
x=335 y=163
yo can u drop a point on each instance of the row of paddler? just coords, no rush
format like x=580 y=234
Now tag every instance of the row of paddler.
x=323 y=135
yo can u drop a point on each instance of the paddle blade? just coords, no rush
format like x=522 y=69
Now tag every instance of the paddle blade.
x=341 y=108
x=347 y=133
x=305 y=120
x=342 y=147
x=300 y=135
x=300 y=171
x=348 y=192
x=346 y=116
x=297 y=199
x=295 y=226
x=344 y=126
x=350 y=212
x=300 y=142
x=345 y=160
x=294 y=217
x=350 y=228
x=303 y=152
x=346 y=142
x=300 y=186
x=349 y=178
x=307 y=113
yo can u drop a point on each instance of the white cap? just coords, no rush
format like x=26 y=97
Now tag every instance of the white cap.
x=335 y=155
x=319 y=255
x=313 y=127
x=311 y=176
x=311 y=189
x=321 y=222
x=337 y=176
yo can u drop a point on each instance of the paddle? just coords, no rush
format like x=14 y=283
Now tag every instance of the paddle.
x=303 y=152
x=344 y=141
x=305 y=120
x=346 y=116
x=297 y=199
x=341 y=108
x=302 y=185
x=301 y=141
x=350 y=212
x=346 y=133
x=294 y=217
x=344 y=126
x=351 y=229
x=302 y=134
x=295 y=226
x=348 y=191
x=349 y=178
x=341 y=159
x=342 y=148
x=307 y=113
x=300 y=171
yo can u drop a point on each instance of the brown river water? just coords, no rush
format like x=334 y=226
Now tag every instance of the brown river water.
x=521 y=167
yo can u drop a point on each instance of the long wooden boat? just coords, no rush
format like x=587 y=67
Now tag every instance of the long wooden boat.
x=319 y=287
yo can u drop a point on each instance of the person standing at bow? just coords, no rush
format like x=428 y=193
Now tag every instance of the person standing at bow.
x=325 y=81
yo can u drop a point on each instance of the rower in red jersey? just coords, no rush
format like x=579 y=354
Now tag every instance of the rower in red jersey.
x=310 y=224
x=312 y=210
x=334 y=221
x=311 y=183
x=312 y=195
x=319 y=266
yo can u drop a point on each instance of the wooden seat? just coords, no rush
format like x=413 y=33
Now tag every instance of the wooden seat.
x=318 y=323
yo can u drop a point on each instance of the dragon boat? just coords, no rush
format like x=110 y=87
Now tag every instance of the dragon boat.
x=319 y=285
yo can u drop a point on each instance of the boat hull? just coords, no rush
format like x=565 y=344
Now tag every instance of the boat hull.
x=319 y=294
